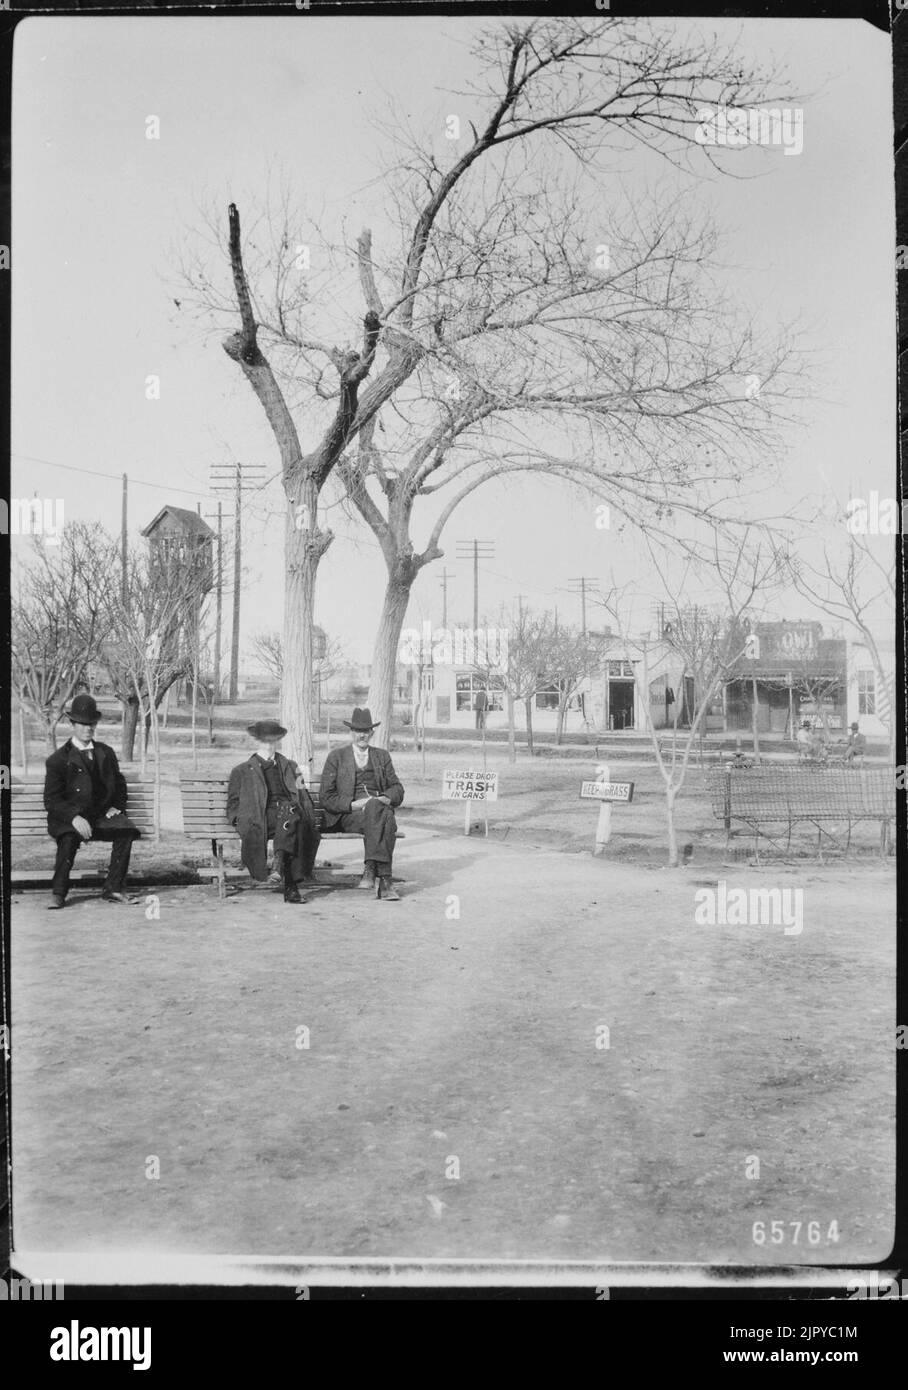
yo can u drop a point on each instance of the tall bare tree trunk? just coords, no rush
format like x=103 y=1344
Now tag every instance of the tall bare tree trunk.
x=384 y=653
x=302 y=558
x=670 y=793
x=23 y=740
x=528 y=702
x=195 y=709
x=512 y=733
x=130 y=724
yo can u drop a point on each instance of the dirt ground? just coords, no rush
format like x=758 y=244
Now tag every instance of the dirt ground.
x=452 y=1100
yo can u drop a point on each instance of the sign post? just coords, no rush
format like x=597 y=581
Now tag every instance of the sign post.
x=604 y=824
x=469 y=787
x=604 y=790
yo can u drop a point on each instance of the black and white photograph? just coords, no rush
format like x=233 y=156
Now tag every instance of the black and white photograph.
x=453 y=528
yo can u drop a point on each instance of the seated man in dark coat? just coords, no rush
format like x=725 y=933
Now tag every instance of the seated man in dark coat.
x=85 y=799
x=267 y=800
x=359 y=788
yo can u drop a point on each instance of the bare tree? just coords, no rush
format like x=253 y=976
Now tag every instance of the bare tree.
x=481 y=277
x=525 y=670
x=268 y=649
x=328 y=657
x=155 y=622
x=58 y=620
x=573 y=655
x=855 y=586
x=707 y=643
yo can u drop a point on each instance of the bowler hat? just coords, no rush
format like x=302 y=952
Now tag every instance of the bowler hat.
x=265 y=729
x=855 y=726
x=361 y=721
x=83 y=710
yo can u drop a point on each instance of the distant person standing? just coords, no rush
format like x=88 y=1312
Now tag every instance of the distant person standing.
x=85 y=798
x=481 y=705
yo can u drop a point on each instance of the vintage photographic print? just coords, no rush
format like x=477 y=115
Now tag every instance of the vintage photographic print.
x=453 y=530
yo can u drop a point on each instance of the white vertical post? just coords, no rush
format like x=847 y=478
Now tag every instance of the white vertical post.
x=604 y=824
x=466 y=817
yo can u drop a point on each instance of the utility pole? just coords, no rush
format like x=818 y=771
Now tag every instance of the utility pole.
x=222 y=483
x=476 y=550
x=219 y=596
x=124 y=583
x=443 y=581
x=581 y=586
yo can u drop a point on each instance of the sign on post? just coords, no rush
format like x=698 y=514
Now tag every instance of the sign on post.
x=469 y=787
x=605 y=791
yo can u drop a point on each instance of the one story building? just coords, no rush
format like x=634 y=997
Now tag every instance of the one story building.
x=641 y=682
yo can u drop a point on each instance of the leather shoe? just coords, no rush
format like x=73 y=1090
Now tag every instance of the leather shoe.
x=384 y=888
x=368 y=880
x=291 y=894
x=56 y=903
x=109 y=896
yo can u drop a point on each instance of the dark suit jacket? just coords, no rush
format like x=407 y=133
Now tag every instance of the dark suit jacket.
x=68 y=787
x=339 y=781
x=247 y=797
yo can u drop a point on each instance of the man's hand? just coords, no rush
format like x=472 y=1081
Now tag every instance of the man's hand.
x=113 y=812
x=83 y=827
x=358 y=805
x=385 y=799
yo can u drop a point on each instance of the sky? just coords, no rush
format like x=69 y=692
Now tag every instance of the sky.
x=100 y=214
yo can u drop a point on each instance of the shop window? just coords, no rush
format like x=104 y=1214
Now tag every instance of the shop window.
x=466 y=688
x=866 y=692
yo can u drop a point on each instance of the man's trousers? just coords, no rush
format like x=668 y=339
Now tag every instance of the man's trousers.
x=377 y=824
x=68 y=847
x=295 y=848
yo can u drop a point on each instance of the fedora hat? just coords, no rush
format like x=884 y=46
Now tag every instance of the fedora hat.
x=83 y=710
x=266 y=729
x=361 y=721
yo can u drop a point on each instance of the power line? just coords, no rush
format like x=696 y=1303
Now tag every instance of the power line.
x=580 y=586
x=95 y=473
x=222 y=483
x=472 y=549
x=443 y=581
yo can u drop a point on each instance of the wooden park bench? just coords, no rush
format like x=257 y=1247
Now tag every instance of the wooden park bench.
x=771 y=801
x=28 y=822
x=204 y=801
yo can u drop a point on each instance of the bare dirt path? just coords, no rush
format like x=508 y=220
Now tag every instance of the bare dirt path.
x=452 y=1100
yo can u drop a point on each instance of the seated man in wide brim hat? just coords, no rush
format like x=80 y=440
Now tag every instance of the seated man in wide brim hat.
x=85 y=797
x=359 y=790
x=267 y=800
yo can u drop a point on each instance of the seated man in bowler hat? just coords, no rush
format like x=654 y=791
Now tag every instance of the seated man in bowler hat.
x=85 y=799
x=359 y=788
x=267 y=800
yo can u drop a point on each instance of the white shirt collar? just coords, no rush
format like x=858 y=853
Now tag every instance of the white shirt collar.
x=361 y=756
x=82 y=747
